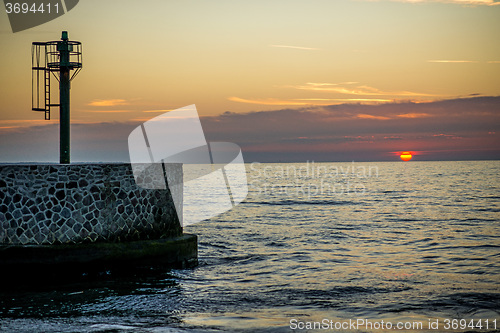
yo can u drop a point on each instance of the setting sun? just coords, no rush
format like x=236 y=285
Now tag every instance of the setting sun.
x=406 y=156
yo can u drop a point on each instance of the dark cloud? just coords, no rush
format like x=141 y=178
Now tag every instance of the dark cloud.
x=347 y=132
x=95 y=142
x=466 y=128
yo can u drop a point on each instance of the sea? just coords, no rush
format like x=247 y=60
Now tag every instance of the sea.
x=315 y=247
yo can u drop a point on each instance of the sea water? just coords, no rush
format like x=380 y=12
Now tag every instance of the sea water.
x=318 y=246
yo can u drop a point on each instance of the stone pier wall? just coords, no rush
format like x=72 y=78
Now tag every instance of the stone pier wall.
x=84 y=203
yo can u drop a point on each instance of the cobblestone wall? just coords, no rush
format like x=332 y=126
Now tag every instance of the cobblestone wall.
x=78 y=203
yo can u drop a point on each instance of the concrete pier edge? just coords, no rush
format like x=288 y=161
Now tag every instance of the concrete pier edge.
x=61 y=261
x=60 y=222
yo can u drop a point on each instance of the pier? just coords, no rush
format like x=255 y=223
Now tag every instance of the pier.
x=74 y=219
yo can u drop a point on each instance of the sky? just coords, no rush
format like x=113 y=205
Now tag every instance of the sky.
x=287 y=80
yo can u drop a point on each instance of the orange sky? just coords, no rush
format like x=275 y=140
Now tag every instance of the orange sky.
x=144 y=58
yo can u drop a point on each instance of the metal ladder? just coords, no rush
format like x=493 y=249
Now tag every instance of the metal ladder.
x=47 y=94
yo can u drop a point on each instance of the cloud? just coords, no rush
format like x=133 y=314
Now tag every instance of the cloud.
x=331 y=101
x=15 y=124
x=348 y=131
x=268 y=101
x=463 y=61
x=158 y=111
x=309 y=101
x=370 y=116
x=90 y=142
x=108 y=102
x=447 y=136
x=108 y=111
x=347 y=88
x=459 y=2
x=414 y=115
x=453 y=61
x=465 y=128
x=367 y=95
x=296 y=47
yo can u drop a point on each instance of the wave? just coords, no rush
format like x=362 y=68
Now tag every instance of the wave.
x=300 y=202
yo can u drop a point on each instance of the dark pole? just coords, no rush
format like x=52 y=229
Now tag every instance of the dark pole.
x=64 y=49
